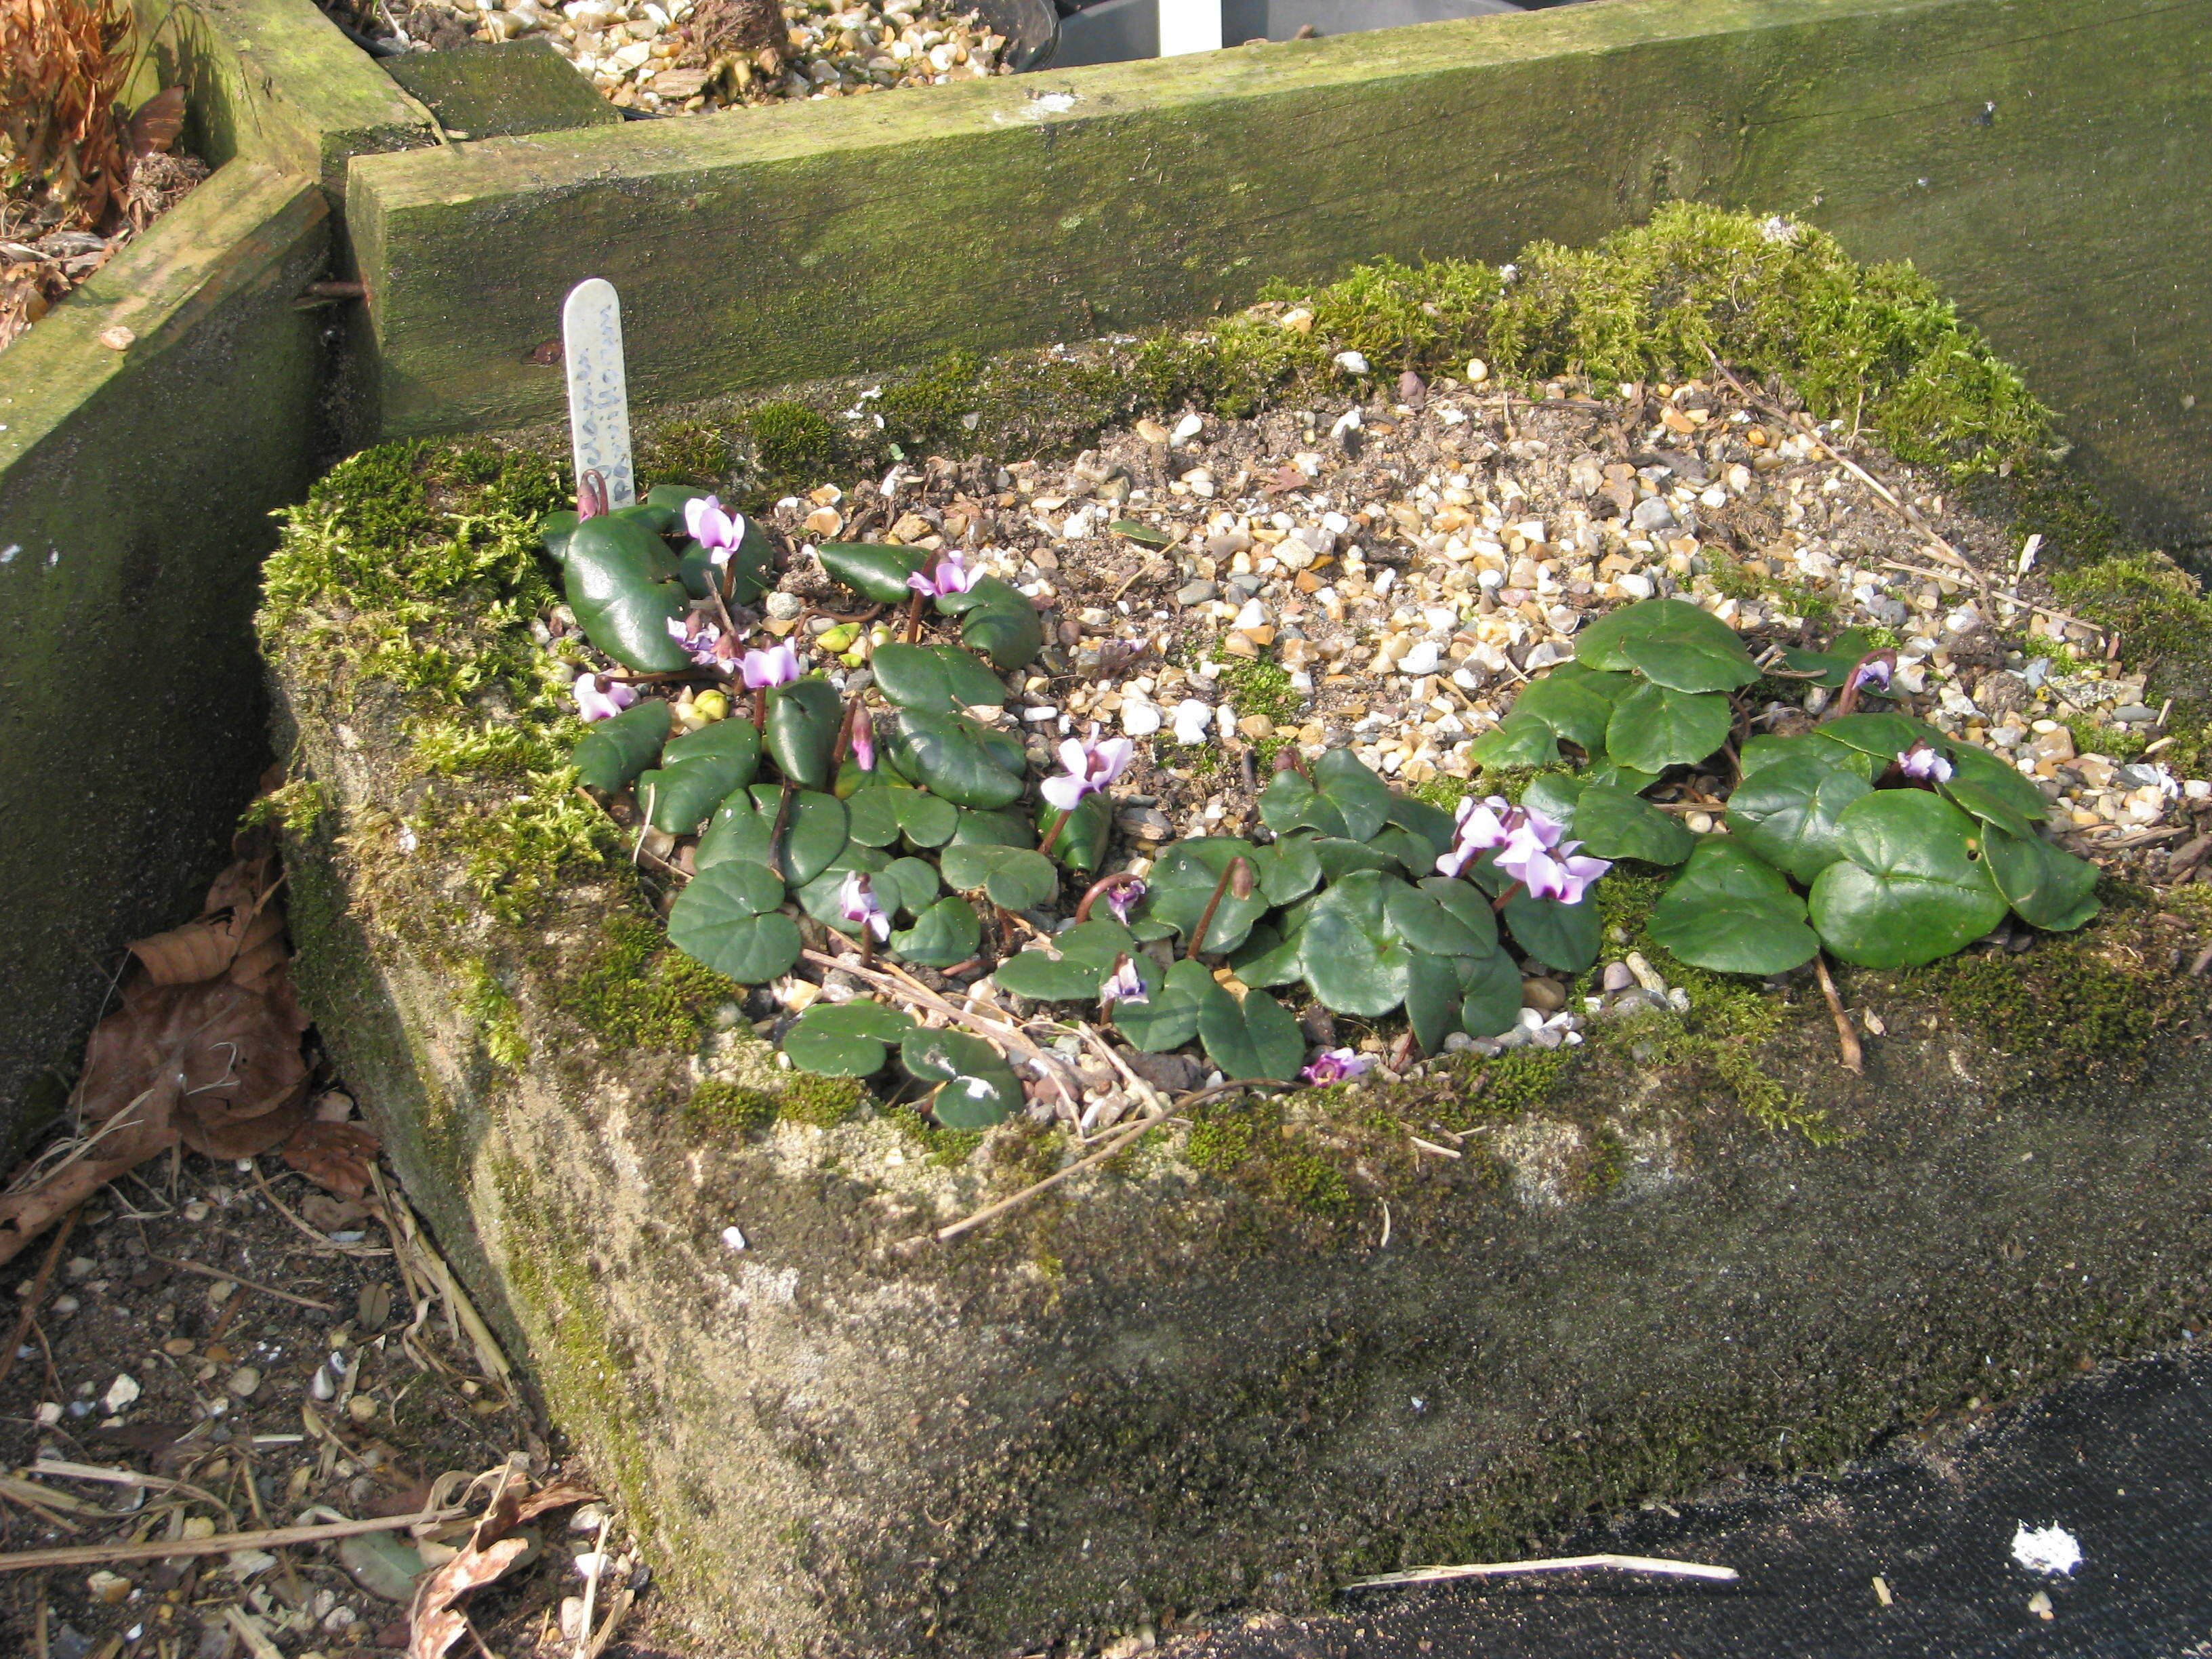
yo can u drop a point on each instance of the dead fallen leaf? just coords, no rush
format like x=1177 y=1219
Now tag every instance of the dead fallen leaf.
x=334 y=1156
x=435 y=1623
x=557 y=1495
x=156 y=124
x=332 y=1215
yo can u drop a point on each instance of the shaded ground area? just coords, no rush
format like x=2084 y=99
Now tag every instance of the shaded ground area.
x=2122 y=1461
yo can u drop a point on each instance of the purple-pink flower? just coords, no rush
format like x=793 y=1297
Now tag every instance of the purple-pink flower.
x=1528 y=845
x=951 y=575
x=858 y=904
x=1122 y=899
x=1122 y=985
x=1874 y=673
x=864 y=742
x=1336 y=1066
x=714 y=529
x=596 y=701
x=1481 y=826
x=777 y=665
x=701 y=642
x=1924 y=764
x=1091 y=766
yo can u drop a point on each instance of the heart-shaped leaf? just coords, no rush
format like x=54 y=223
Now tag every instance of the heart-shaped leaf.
x=1254 y=1036
x=1354 y=959
x=1269 y=956
x=992 y=829
x=1994 y=791
x=1038 y=973
x=1909 y=888
x=1673 y=643
x=907 y=886
x=1345 y=798
x=2049 y=888
x=1762 y=751
x=877 y=570
x=1432 y=825
x=804 y=719
x=1611 y=823
x=1433 y=1000
x=941 y=678
x=813 y=832
x=1289 y=870
x=616 y=751
x=1338 y=857
x=975 y=1086
x=1564 y=936
x=1427 y=923
x=821 y=897
x=727 y=917
x=1834 y=665
x=1733 y=913
x=1408 y=852
x=953 y=757
x=845 y=1039
x=1490 y=989
x=944 y=934
x=1516 y=740
x=697 y=772
x=1632 y=779
x=622 y=583
x=1787 y=812
x=1885 y=737
x=1013 y=877
x=1569 y=709
x=1182 y=884
x=1168 y=1016
x=998 y=621
x=1081 y=845
x=1656 y=727
x=1554 y=794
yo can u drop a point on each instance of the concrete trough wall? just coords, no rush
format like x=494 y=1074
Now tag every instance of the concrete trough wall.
x=2044 y=163
x=136 y=486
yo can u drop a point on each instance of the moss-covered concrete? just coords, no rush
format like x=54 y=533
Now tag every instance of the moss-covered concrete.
x=491 y=92
x=767 y=247
x=1197 y=1379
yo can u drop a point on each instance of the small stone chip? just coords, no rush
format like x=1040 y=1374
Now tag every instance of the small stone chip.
x=117 y=339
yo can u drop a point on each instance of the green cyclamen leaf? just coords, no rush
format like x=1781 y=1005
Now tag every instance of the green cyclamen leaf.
x=1564 y=936
x=2049 y=887
x=1013 y=877
x=877 y=570
x=1168 y=1016
x=976 y=1087
x=1612 y=823
x=1516 y=740
x=611 y=755
x=1182 y=884
x=1656 y=727
x=622 y=583
x=954 y=758
x=1994 y=791
x=941 y=678
x=803 y=721
x=1910 y=887
x=1355 y=959
x=1672 y=642
x=727 y=917
x=814 y=835
x=1787 y=811
x=1254 y=1036
x=845 y=1039
x=944 y=934
x=1570 y=710
x=1731 y=912
x=697 y=771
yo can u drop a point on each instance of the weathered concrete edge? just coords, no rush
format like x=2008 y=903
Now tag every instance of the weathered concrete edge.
x=1118 y=1402
x=135 y=490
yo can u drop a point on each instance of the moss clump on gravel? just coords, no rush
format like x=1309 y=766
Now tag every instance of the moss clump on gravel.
x=720 y=1108
x=633 y=989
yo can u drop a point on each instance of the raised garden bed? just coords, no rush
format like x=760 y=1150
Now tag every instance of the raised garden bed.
x=1283 y=1336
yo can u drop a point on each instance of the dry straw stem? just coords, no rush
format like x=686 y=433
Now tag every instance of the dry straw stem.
x=88 y=1555
x=1556 y=1563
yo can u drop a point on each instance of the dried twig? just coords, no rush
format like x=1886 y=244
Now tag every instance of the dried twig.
x=37 y=1294
x=241 y=1279
x=1557 y=1564
x=320 y=1239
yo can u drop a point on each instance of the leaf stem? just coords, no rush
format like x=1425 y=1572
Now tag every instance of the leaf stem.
x=1228 y=872
x=1052 y=836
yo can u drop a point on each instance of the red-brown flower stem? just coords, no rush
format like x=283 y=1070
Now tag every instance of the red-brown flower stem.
x=1052 y=836
x=1854 y=1058
x=760 y=708
x=729 y=627
x=914 y=617
x=1228 y=872
x=776 y=833
x=1850 y=699
x=844 y=743
x=1103 y=885
x=1498 y=903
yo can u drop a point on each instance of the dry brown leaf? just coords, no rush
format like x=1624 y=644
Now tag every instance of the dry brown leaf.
x=435 y=1623
x=156 y=124
x=326 y=1214
x=183 y=956
x=558 y=1495
x=334 y=1156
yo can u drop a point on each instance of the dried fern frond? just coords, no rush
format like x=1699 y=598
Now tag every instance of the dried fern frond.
x=62 y=63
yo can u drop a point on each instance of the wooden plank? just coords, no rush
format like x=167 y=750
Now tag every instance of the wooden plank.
x=763 y=247
x=491 y=92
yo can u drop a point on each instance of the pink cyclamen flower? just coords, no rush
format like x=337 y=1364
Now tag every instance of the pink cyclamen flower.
x=701 y=640
x=1123 y=899
x=1482 y=826
x=951 y=575
x=1551 y=873
x=1875 y=674
x=1924 y=764
x=857 y=903
x=1337 y=1065
x=1122 y=985
x=777 y=665
x=600 y=700
x=1091 y=766
x=714 y=529
x=864 y=743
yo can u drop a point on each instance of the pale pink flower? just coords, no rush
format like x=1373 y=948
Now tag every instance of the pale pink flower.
x=857 y=903
x=1092 y=766
x=777 y=665
x=600 y=700
x=1337 y=1065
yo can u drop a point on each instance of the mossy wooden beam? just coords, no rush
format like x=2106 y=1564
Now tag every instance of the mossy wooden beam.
x=275 y=82
x=134 y=488
x=2040 y=161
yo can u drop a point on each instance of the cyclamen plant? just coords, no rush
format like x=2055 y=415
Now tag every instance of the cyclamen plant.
x=921 y=843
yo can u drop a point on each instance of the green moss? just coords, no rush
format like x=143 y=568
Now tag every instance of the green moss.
x=1505 y=1085
x=2075 y=1002
x=684 y=452
x=720 y=1108
x=1249 y=1143
x=487 y=1004
x=2165 y=623
x=824 y=1102
x=296 y=806
x=792 y=443
x=635 y=990
x=1259 y=688
x=522 y=851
